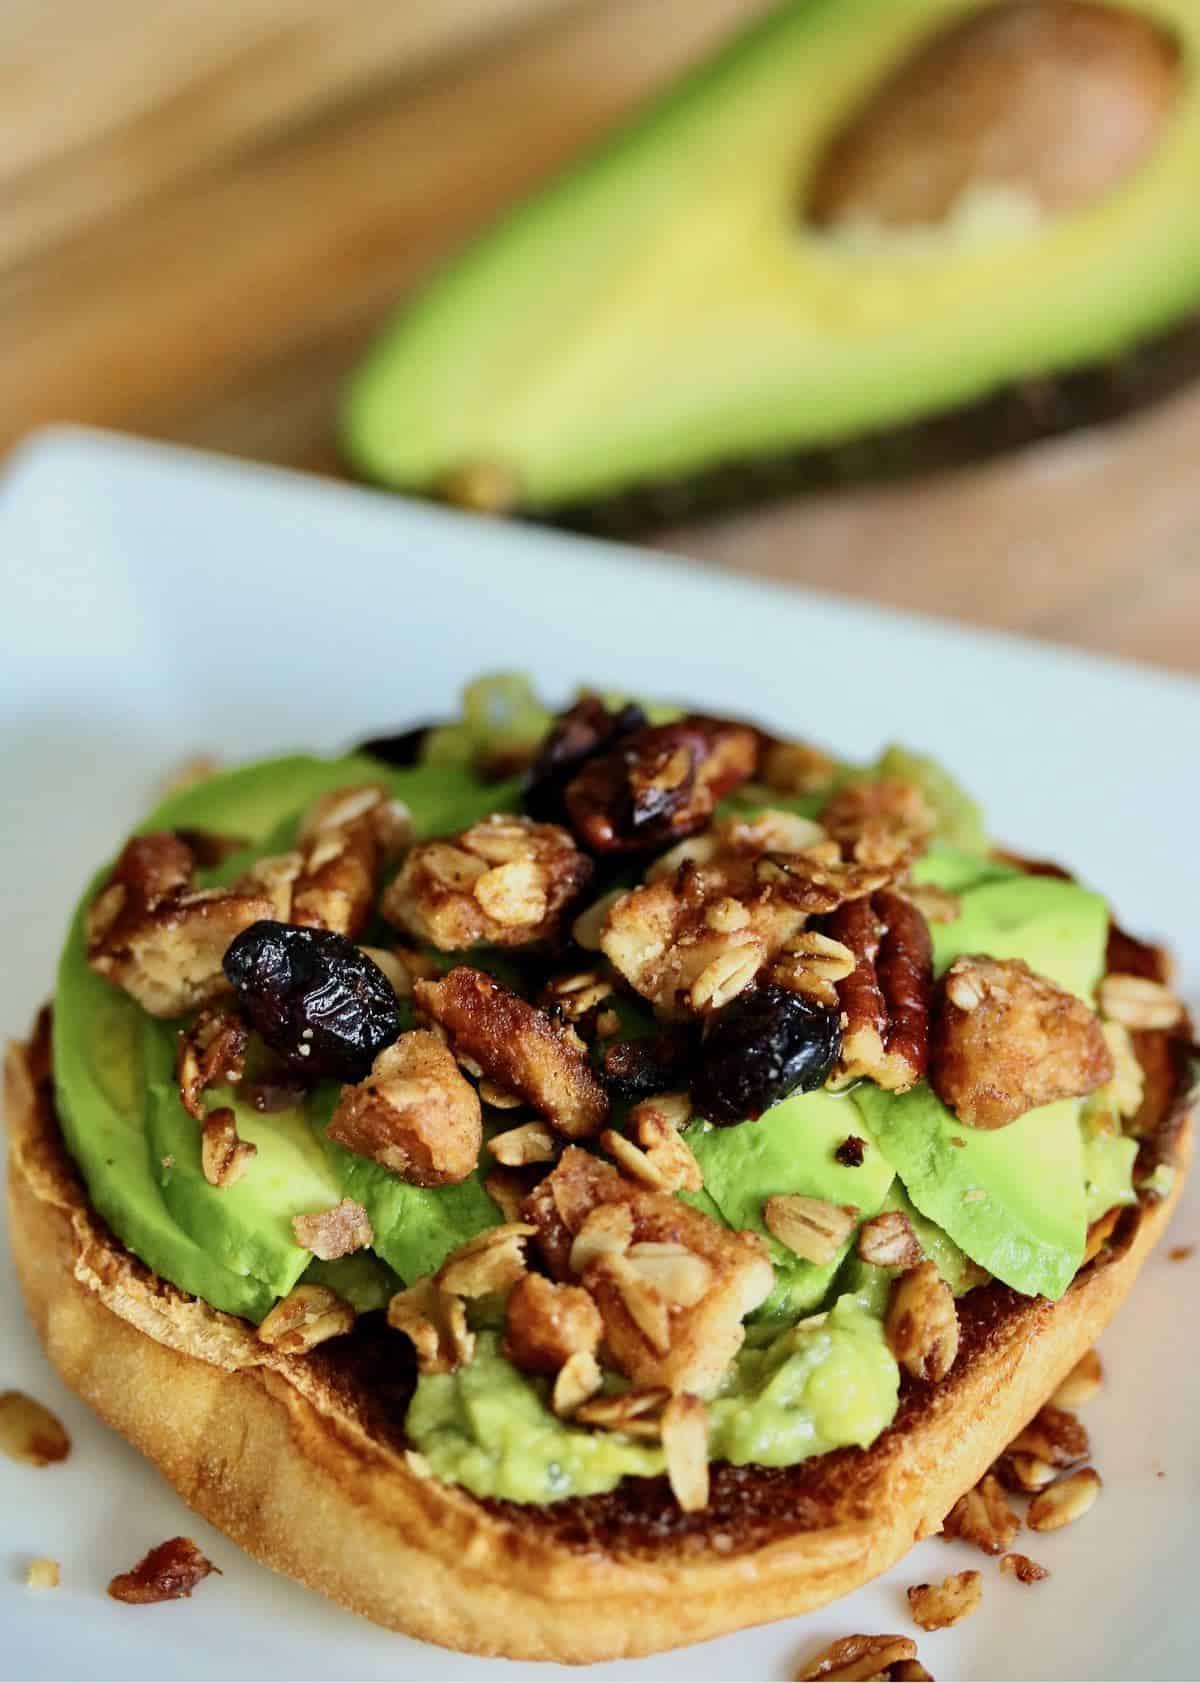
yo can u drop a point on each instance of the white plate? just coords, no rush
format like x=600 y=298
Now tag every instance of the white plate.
x=157 y=603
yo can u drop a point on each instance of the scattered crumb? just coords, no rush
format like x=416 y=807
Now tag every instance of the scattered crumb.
x=42 y=1574
x=852 y=1657
x=937 y=1606
x=29 y=1432
x=851 y=1152
x=1024 y=1570
x=1181 y=1253
x=170 y=1571
x=960 y=1143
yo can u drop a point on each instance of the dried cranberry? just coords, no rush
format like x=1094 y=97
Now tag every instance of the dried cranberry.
x=316 y=998
x=763 y=1046
x=584 y=730
x=402 y=749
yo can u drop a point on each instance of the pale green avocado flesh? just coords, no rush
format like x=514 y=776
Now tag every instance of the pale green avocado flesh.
x=1014 y=1202
x=666 y=308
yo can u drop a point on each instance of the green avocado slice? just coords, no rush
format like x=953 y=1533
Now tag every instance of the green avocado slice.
x=246 y=1226
x=416 y=1227
x=1057 y=927
x=1011 y=1198
x=100 y=1099
x=791 y=1149
x=691 y=319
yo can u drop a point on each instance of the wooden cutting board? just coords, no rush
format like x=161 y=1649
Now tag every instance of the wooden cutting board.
x=209 y=210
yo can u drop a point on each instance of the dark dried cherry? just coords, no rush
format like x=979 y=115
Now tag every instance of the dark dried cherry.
x=403 y=749
x=764 y=1045
x=584 y=730
x=316 y=999
x=637 y=1069
x=659 y=784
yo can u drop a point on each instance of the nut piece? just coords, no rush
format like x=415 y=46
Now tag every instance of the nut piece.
x=1059 y=101
x=1006 y=1041
x=887 y=996
x=713 y=911
x=532 y=1142
x=29 y=1432
x=341 y=845
x=493 y=1261
x=505 y=882
x=212 y=1051
x=339 y=1231
x=652 y=1334
x=1024 y=1570
x=547 y=1324
x=519 y=1047
x=306 y=1317
x=161 y=940
x=661 y=782
x=880 y=821
x=1082 y=1383
x=922 y=1323
x=888 y=1241
x=224 y=1157
x=853 y=1658
x=168 y=1573
x=685 y=1441
x=42 y=1574
x=416 y=1113
x=1055 y=1436
x=1136 y=1002
x=810 y=1227
x=982 y=1516
x=656 y=1123
x=1065 y=1501
x=578 y=1379
x=936 y=1606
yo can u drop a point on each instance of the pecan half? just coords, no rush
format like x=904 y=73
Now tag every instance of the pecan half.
x=662 y=782
x=415 y=1113
x=519 y=1047
x=580 y=733
x=210 y=1052
x=886 y=997
x=1006 y=1041
x=505 y=882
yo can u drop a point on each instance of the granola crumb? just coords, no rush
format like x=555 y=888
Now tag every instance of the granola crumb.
x=1024 y=1570
x=937 y=1606
x=1181 y=1253
x=853 y=1657
x=29 y=1432
x=167 y=1573
x=42 y=1574
x=1081 y=1384
x=851 y=1152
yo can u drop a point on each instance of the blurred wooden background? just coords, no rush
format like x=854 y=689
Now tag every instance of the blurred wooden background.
x=207 y=209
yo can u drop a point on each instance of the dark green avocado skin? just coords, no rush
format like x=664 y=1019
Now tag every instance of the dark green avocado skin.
x=1010 y=418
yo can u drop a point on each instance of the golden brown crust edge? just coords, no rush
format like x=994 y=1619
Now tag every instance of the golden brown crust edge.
x=258 y=1447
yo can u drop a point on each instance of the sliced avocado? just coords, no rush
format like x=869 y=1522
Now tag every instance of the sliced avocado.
x=246 y=1226
x=957 y=872
x=100 y=1099
x=416 y=1227
x=790 y=1149
x=360 y=1280
x=872 y=1285
x=1011 y=1198
x=1108 y=1161
x=959 y=816
x=1057 y=927
x=667 y=326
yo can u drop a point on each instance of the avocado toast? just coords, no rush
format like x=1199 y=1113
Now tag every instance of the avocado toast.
x=712 y=1161
x=867 y=236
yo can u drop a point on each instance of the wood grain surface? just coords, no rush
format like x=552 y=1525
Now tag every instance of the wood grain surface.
x=208 y=210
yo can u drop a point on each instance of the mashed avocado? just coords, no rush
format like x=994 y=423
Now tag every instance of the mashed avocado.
x=1015 y=1201
x=826 y=1383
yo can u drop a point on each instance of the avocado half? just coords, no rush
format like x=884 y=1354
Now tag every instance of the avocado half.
x=669 y=327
